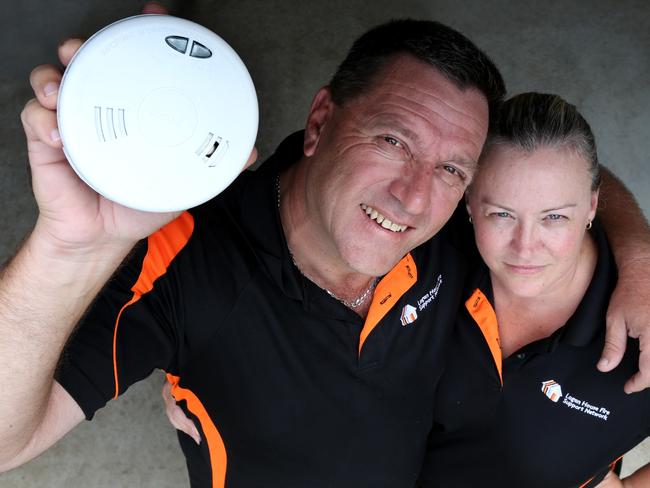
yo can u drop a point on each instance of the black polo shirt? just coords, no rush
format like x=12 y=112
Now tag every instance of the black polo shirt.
x=289 y=388
x=549 y=418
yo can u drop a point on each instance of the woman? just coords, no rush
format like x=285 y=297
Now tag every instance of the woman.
x=522 y=403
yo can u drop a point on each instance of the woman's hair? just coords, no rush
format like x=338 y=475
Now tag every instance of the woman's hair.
x=533 y=120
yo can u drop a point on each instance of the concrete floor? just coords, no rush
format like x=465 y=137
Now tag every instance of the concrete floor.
x=596 y=53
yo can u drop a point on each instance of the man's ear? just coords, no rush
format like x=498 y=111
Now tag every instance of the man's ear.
x=319 y=113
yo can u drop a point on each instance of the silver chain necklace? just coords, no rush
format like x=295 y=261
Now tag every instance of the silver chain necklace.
x=357 y=302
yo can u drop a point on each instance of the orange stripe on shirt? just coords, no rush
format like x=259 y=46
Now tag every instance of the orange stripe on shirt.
x=162 y=248
x=389 y=290
x=480 y=308
x=216 y=447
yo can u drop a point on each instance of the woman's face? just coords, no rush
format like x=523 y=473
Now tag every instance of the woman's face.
x=529 y=212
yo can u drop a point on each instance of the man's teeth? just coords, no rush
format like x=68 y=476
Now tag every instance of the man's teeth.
x=381 y=220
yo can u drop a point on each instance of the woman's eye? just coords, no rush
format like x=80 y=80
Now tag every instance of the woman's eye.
x=501 y=215
x=554 y=217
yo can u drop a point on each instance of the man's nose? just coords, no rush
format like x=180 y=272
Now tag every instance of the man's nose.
x=414 y=188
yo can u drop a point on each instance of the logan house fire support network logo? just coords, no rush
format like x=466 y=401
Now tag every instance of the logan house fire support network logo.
x=552 y=390
x=409 y=315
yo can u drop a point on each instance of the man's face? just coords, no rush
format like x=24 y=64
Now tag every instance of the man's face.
x=389 y=167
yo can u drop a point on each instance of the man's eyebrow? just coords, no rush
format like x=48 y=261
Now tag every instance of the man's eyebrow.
x=395 y=124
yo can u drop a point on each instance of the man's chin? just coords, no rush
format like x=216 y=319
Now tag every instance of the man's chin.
x=375 y=265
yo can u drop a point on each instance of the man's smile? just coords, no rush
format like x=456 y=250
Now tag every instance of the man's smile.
x=382 y=220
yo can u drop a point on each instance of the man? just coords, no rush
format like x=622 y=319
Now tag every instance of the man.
x=264 y=306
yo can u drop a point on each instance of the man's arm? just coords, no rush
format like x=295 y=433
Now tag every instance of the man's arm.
x=61 y=415
x=78 y=241
x=629 y=309
x=638 y=479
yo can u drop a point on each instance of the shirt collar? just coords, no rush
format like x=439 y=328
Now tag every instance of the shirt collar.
x=588 y=321
x=260 y=218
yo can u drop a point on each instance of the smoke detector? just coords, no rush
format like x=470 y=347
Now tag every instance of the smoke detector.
x=157 y=113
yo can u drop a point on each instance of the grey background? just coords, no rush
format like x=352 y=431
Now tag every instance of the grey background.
x=595 y=53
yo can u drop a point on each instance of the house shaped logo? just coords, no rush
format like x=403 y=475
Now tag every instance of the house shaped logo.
x=409 y=315
x=552 y=390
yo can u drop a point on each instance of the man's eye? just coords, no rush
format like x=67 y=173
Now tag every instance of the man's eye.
x=554 y=217
x=392 y=141
x=501 y=215
x=453 y=171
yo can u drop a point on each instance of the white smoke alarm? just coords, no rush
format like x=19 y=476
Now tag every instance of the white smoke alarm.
x=157 y=113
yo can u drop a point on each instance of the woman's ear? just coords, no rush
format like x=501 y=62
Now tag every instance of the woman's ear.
x=319 y=114
x=594 y=204
x=466 y=197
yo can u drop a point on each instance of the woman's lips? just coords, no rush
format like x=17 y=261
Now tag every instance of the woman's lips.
x=524 y=269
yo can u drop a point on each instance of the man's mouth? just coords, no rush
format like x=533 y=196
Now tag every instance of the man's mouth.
x=383 y=221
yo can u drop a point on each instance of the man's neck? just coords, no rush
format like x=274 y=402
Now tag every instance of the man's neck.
x=312 y=250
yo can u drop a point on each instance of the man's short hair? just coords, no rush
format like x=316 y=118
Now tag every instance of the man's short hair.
x=440 y=46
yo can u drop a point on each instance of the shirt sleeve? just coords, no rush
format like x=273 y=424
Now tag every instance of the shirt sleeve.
x=132 y=326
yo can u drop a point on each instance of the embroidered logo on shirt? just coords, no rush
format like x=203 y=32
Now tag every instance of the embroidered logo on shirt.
x=431 y=295
x=552 y=390
x=409 y=315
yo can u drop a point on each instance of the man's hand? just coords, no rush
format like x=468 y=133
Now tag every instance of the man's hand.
x=639 y=479
x=629 y=314
x=72 y=216
x=629 y=309
x=176 y=415
x=611 y=481
x=80 y=238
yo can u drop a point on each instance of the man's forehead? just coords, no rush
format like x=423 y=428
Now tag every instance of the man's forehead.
x=423 y=83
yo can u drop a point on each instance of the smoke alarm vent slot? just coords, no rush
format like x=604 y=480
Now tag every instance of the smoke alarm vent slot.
x=213 y=149
x=109 y=124
x=98 y=124
x=121 y=122
x=204 y=144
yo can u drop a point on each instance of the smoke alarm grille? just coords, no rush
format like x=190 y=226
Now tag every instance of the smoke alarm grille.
x=112 y=125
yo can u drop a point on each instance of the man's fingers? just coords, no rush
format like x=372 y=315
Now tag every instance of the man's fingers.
x=45 y=80
x=40 y=124
x=252 y=158
x=615 y=342
x=641 y=380
x=182 y=423
x=154 y=8
x=176 y=415
x=68 y=48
